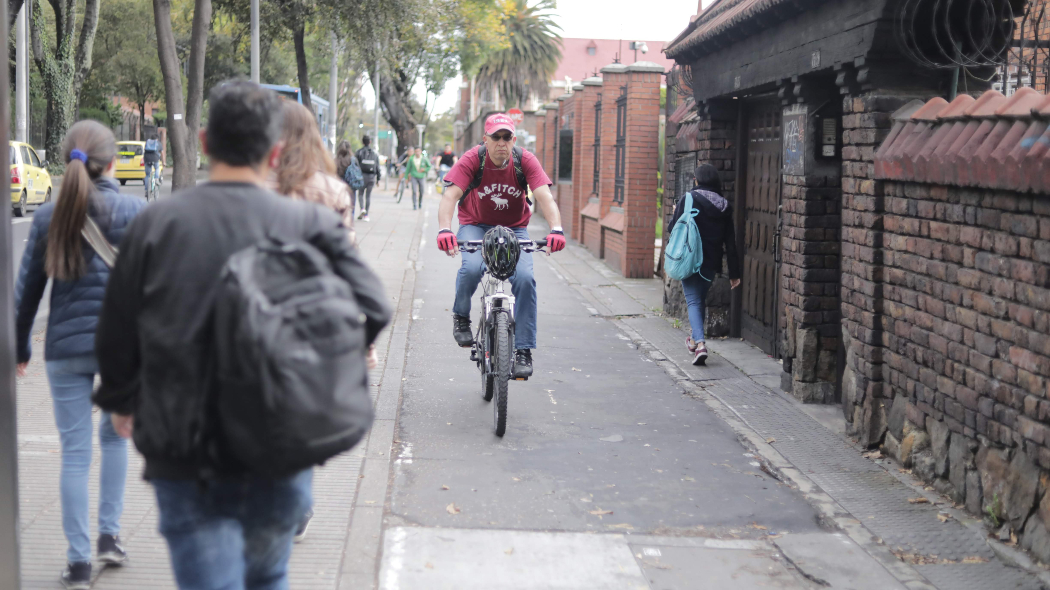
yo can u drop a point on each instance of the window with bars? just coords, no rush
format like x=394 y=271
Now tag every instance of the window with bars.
x=621 y=146
x=597 y=145
x=683 y=170
x=565 y=154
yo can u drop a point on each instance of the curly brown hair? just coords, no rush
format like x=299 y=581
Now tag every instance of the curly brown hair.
x=303 y=154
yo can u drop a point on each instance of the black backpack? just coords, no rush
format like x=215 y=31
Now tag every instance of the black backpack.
x=291 y=377
x=519 y=173
x=368 y=159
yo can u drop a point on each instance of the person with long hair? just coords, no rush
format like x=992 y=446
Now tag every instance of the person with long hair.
x=714 y=219
x=305 y=172
x=56 y=250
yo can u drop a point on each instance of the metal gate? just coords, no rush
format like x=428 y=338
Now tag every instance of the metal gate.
x=621 y=146
x=759 y=320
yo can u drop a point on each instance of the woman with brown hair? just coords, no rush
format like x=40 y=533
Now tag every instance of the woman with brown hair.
x=305 y=172
x=56 y=250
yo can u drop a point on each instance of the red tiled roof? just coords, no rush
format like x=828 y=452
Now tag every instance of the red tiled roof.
x=990 y=142
x=718 y=18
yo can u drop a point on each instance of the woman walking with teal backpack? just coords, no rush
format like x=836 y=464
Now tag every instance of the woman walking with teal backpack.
x=712 y=217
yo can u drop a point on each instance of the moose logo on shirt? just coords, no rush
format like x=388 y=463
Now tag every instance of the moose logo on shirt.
x=499 y=194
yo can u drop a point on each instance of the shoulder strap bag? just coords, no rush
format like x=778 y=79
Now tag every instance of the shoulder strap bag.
x=98 y=242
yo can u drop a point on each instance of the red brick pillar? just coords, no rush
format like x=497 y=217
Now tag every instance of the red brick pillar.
x=611 y=247
x=541 y=135
x=629 y=202
x=587 y=230
x=566 y=193
x=550 y=141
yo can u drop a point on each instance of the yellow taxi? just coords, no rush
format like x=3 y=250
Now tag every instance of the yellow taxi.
x=130 y=165
x=30 y=181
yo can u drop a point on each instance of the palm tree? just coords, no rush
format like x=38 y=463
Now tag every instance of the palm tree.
x=532 y=56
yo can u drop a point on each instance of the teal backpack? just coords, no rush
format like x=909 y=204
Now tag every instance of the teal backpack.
x=684 y=253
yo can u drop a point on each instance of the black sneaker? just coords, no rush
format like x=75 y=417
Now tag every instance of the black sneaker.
x=523 y=363
x=461 y=331
x=77 y=576
x=110 y=551
x=300 y=531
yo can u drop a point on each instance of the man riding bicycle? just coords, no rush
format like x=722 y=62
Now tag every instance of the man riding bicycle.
x=492 y=192
x=151 y=158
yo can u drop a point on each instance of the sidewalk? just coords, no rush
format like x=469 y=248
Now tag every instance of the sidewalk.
x=315 y=562
x=923 y=544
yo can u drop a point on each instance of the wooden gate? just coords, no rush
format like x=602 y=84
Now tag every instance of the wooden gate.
x=759 y=321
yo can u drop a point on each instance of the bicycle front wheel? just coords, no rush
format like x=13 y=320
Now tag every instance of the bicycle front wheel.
x=501 y=354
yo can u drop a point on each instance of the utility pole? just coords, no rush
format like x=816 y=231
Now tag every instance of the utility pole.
x=377 y=103
x=255 y=41
x=21 y=78
x=333 y=92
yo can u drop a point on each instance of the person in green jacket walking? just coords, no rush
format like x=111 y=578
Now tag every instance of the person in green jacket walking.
x=416 y=171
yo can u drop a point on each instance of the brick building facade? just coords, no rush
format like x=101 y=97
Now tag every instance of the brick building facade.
x=910 y=243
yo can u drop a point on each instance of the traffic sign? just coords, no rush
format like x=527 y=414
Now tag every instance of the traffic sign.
x=517 y=116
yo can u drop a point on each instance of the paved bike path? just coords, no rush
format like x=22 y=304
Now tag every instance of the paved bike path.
x=604 y=462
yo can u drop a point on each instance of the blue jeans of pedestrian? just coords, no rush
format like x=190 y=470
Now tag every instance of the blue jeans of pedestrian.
x=232 y=533
x=522 y=285
x=695 y=287
x=71 y=384
x=418 y=188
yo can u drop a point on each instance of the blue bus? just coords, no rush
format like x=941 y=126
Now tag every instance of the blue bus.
x=320 y=106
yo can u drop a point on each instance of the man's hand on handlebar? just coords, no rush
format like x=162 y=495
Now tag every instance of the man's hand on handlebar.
x=555 y=241
x=447 y=242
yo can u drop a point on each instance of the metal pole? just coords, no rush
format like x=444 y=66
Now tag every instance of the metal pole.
x=21 y=78
x=333 y=92
x=255 y=41
x=377 y=105
x=10 y=576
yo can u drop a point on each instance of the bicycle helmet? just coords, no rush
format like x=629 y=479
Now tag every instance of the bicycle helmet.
x=500 y=251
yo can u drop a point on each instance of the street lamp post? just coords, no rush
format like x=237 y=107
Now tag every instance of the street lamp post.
x=333 y=92
x=255 y=40
x=420 y=128
x=21 y=78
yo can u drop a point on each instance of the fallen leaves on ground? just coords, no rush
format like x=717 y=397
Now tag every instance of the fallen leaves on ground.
x=925 y=559
x=654 y=564
x=757 y=526
x=876 y=454
x=903 y=470
x=444 y=488
x=599 y=512
x=577 y=370
x=974 y=559
x=771 y=440
x=944 y=517
x=509 y=551
x=622 y=525
x=919 y=500
x=429 y=566
x=452 y=509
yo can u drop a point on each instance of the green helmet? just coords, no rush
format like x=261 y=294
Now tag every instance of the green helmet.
x=500 y=251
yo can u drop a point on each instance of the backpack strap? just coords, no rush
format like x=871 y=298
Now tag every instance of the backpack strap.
x=517 y=154
x=476 y=181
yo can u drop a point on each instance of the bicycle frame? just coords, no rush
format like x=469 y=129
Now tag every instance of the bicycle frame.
x=493 y=297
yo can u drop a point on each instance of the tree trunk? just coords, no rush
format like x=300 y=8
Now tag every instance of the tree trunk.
x=85 y=48
x=300 y=65
x=13 y=6
x=398 y=113
x=56 y=68
x=195 y=80
x=184 y=171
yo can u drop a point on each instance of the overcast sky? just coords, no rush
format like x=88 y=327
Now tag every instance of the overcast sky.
x=637 y=20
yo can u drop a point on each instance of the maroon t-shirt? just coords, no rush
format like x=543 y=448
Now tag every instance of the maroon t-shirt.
x=498 y=200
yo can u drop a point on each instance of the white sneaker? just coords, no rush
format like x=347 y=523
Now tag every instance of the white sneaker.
x=365 y=218
x=701 y=355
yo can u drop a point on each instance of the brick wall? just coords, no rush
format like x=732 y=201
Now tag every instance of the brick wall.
x=583 y=167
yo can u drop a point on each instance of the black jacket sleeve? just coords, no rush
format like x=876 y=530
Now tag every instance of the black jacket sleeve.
x=30 y=287
x=729 y=231
x=332 y=239
x=117 y=336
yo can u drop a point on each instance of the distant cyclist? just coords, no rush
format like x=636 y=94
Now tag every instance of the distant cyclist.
x=492 y=192
x=445 y=163
x=151 y=157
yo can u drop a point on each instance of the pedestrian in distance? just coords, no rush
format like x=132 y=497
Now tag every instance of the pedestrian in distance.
x=368 y=159
x=56 y=250
x=416 y=172
x=445 y=163
x=714 y=219
x=231 y=471
x=151 y=158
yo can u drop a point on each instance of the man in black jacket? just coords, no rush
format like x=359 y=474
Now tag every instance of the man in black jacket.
x=224 y=527
x=368 y=159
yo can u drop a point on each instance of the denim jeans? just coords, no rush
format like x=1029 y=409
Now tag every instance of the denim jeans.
x=364 y=196
x=71 y=383
x=522 y=284
x=695 y=288
x=232 y=533
x=418 y=186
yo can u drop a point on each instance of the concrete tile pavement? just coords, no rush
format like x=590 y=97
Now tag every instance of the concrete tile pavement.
x=316 y=563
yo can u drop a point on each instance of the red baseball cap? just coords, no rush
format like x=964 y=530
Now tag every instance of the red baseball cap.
x=498 y=121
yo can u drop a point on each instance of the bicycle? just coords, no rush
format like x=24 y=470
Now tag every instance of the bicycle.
x=399 y=191
x=151 y=183
x=493 y=347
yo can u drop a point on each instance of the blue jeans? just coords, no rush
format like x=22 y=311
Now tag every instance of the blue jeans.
x=151 y=170
x=522 y=284
x=234 y=533
x=418 y=188
x=695 y=288
x=71 y=383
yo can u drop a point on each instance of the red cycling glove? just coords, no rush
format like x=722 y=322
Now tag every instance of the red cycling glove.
x=555 y=241
x=447 y=241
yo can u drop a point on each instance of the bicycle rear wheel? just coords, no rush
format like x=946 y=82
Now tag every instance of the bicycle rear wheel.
x=501 y=363
x=400 y=191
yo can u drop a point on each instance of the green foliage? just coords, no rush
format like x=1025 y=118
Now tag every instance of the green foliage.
x=533 y=54
x=101 y=115
x=995 y=510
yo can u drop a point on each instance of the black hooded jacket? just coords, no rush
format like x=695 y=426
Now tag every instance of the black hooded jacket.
x=716 y=233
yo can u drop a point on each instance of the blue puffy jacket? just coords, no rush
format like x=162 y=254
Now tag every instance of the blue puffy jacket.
x=75 y=305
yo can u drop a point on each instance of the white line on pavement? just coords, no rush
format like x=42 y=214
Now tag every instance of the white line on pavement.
x=21 y=220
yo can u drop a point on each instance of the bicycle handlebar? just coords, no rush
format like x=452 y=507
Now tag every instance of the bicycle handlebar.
x=472 y=246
